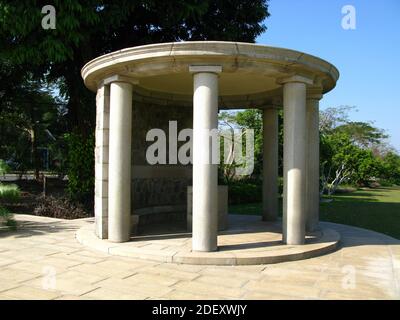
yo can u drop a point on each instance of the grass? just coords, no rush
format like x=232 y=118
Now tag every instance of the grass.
x=376 y=209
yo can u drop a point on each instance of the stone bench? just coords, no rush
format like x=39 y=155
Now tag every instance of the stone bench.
x=170 y=213
x=156 y=214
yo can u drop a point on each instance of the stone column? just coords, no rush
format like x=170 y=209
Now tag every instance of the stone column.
x=119 y=192
x=205 y=172
x=101 y=161
x=270 y=164
x=294 y=162
x=312 y=163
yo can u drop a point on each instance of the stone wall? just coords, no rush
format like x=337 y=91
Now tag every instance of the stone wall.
x=147 y=192
x=101 y=161
x=156 y=185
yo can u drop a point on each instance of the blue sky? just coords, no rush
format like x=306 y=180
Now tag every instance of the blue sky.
x=368 y=57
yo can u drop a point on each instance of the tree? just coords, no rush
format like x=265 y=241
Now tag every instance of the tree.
x=350 y=151
x=26 y=124
x=332 y=117
x=363 y=134
x=4 y=167
x=87 y=29
x=390 y=170
x=28 y=112
x=252 y=119
x=241 y=120
x=334 y=161
x=342 y=160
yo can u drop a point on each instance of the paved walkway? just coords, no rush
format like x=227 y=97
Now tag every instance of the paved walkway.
x=43 y=260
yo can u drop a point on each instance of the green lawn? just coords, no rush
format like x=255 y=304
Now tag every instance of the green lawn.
x=375 y=209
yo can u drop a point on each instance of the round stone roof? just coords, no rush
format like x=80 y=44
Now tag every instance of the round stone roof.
x=250 y=73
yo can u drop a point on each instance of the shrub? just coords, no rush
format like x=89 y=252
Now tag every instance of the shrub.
x=386 y=183
x=9 y=192
x=248 y=190
x=62 y=208
x=5 y=214
x=4 y=167
x=390 y=169
x=80 y=166
x=244 y=192
x=7 y=219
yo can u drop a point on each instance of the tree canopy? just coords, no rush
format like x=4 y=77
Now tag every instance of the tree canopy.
x=87 y=29
x=29 y=116
x=31 y=57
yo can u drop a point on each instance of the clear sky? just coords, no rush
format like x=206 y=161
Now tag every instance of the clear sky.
x=368 y=57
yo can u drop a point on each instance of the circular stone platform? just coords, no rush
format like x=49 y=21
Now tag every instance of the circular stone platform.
x=248 y=241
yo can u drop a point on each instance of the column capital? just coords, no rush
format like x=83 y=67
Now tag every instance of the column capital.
x=210 y=69
x=118 y=78
x=296 y=78
x=314 y=93
x=314 y=96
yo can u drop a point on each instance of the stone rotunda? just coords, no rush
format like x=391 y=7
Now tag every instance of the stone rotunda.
x=144 y=87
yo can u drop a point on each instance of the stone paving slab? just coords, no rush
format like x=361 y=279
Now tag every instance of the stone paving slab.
x=248 y=241
x=365 y=266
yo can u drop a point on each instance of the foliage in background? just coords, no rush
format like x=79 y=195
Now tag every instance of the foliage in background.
x=85 y=30
x=247 y=189
x=356 y=153
x=8 y=193
x=252 y=119
x=390 y=168
x=4 y=167
x=7 y=219
x=362 y=134
x=244 y=192
x=343 y=161
x=234 y=150
x=351 y=152
x=31 y=119
x=80 y=166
